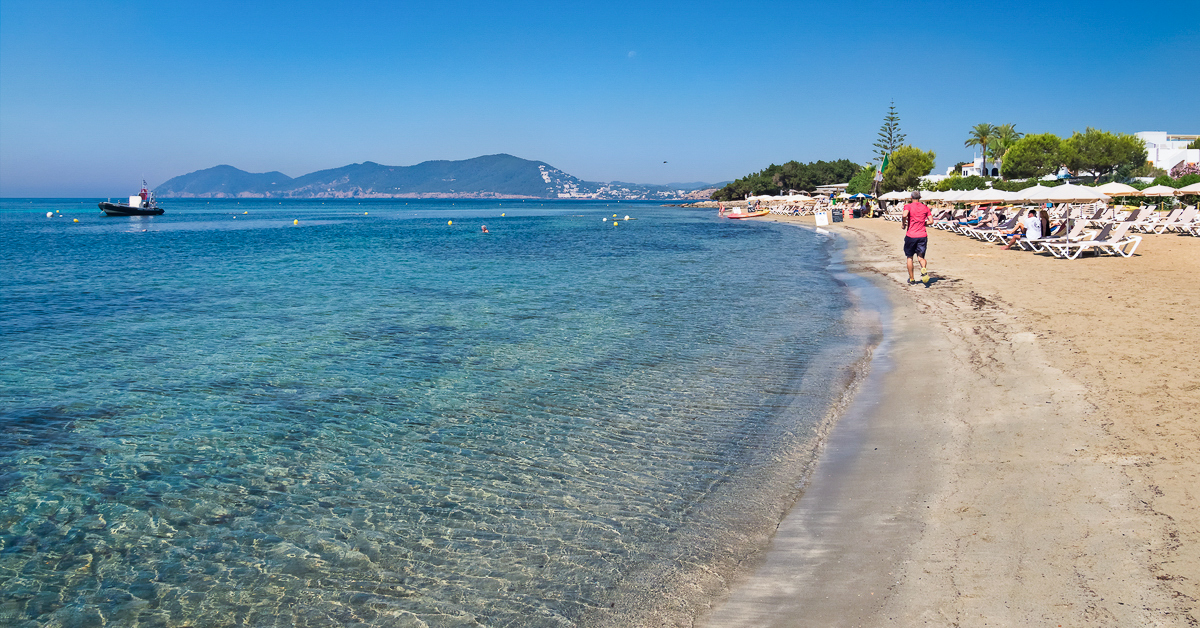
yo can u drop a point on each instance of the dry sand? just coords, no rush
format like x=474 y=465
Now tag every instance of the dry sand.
x=1031 y=457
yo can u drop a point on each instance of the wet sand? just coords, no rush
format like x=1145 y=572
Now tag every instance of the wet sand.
x=1028 y=455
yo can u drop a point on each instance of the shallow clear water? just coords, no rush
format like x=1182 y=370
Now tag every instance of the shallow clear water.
x=212 y=418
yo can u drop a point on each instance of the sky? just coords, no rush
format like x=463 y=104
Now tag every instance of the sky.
x=96 y=95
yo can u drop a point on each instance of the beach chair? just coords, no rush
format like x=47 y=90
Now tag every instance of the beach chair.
x=1192 y=228
x=1182 y=222
x=1097 y=219
x=995 y=234
x=959 y=225
x=943 y=220
x=1058 y=236
x=1146 y=219
x=1154 y=220
x=1111 y=239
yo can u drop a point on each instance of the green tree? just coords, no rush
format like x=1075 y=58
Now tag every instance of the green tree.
x=982 y=135
x=792 y=175
x=890 y=137
x=1006 y=136
x=1101 y=152
x=1195 y=144
x=906 y=167
x=1033 y=156
x=863 y=181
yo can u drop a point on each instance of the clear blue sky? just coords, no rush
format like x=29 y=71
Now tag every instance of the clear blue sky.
x=95 y=95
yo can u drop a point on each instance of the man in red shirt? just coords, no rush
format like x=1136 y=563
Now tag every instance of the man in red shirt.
x=916 y=215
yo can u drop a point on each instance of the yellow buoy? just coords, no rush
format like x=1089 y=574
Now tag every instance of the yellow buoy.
x=614 y=223
x=364 y=213
x=449 y=222
x=76 y=220
x=249 y=212
x=614 y=215
x=501 y=214
x=296 y=221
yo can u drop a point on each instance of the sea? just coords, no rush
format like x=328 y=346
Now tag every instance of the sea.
x=251 y=412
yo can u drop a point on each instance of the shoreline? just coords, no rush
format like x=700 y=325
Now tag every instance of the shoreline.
x=986 y=480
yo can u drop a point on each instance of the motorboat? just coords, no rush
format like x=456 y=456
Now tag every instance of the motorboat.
x=143 y=204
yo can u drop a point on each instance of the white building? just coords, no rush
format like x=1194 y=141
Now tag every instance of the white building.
x=975 y=169
x=1166 y=150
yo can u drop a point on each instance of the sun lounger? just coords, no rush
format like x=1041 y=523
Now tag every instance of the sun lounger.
x=994 y=234
x=1097 y=217
x=1111 y=239
x=1057 y=236
x=1182 y=222
x=1157 y=222
x=1192 y=228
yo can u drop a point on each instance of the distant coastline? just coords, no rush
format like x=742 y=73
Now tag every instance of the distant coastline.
x=487 y=177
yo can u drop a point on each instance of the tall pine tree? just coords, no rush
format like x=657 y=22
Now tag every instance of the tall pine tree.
x=890 y=137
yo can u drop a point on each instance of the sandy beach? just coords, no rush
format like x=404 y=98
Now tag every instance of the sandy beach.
x=1030 y=455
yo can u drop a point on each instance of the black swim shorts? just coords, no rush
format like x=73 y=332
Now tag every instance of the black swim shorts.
x=915 y=246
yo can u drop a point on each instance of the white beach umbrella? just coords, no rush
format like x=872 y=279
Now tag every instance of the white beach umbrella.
x=1119 y=189
x=967 y=196
x=1031 y=193
x=1074 y=193
x=1007 y=196
x=1159 y=190
x=953 y=196
x=1189 y=189
x=989 y=195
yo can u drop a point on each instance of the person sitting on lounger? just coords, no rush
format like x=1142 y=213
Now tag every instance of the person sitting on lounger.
x=1030 y=226
x=974 y=217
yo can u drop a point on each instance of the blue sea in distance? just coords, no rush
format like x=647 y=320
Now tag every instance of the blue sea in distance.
x=217 y=417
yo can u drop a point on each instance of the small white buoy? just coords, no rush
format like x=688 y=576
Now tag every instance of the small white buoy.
x=49 y=214
x=626 y=217
x=605 y=219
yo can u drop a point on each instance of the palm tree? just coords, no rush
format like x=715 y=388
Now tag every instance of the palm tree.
x=1006 y=136
x=982 y=135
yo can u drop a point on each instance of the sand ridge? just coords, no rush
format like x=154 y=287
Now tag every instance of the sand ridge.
x=1063 y=459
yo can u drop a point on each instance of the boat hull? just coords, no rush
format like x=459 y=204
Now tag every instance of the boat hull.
x=114 y=209
x=750 y=215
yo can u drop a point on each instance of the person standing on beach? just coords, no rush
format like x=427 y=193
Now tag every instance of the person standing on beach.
x=916 y=240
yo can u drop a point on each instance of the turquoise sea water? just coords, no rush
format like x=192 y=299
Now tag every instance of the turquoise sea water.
x=215 y=418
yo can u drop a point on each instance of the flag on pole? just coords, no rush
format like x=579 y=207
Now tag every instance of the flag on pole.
x=879 y=173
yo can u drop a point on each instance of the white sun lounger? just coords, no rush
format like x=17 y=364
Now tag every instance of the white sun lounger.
x=1111 y=239
x=1182 y=223
x=1039 y=244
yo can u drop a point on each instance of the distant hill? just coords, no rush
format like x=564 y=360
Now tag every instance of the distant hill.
x=490 y=176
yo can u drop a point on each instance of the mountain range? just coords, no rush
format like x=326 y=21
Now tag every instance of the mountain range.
x=490 y=176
